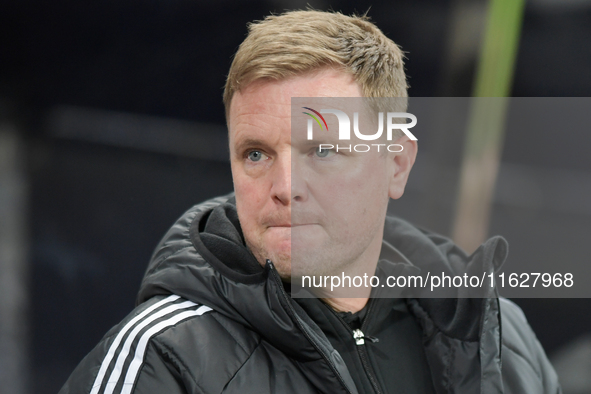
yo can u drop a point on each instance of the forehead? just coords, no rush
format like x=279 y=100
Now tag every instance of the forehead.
x=273 y=98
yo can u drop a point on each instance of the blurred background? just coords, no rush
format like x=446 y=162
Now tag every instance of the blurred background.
x=112 y=125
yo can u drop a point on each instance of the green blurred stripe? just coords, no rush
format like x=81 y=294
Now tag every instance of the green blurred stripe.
x=486 y=125
x=494 y=76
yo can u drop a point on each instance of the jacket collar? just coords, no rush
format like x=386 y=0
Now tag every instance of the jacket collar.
x=458 y=331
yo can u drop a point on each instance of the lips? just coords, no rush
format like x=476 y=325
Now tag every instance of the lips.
x=289 y=225
x=293 y=221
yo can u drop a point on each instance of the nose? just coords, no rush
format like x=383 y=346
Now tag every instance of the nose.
x=299 y=190
x=288 y=183
x=281 y=189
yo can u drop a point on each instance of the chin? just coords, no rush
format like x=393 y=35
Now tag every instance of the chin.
x=283 y=267
x=280 y=256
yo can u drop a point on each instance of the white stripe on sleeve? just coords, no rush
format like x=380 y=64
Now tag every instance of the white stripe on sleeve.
x=114 y=378
x=140 y=350
x=113 y=348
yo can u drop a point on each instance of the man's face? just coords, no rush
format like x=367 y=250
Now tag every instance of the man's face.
x=319 y=211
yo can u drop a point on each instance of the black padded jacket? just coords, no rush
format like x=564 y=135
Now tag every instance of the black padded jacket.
x=210 y=319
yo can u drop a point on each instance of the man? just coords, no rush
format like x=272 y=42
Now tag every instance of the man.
x=214 y=314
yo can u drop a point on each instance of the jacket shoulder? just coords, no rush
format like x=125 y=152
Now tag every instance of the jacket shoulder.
x=164 y=345
x=207 y=352
x=524 y=362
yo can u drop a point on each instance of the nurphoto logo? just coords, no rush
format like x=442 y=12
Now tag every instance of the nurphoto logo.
x=345 y=129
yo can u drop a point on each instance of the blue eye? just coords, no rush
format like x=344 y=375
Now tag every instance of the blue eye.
x=322 y=152
x=255 y=155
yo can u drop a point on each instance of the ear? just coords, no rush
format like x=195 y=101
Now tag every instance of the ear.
x=400 y=164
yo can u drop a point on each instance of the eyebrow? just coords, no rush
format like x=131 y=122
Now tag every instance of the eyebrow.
x=246 y=143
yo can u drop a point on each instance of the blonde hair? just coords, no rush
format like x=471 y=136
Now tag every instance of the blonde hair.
x=296 y=42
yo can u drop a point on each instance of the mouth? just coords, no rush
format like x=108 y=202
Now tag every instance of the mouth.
x=290 y=225
x=304 y=224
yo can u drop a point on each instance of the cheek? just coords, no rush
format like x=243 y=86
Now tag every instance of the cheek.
x=249 y=193
x=356 y=195
x=350 y=182
x=249 y=200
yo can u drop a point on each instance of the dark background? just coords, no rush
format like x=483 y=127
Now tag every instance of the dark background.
x=80 y=80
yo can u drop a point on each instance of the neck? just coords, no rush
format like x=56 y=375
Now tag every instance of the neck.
x=346 y=304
